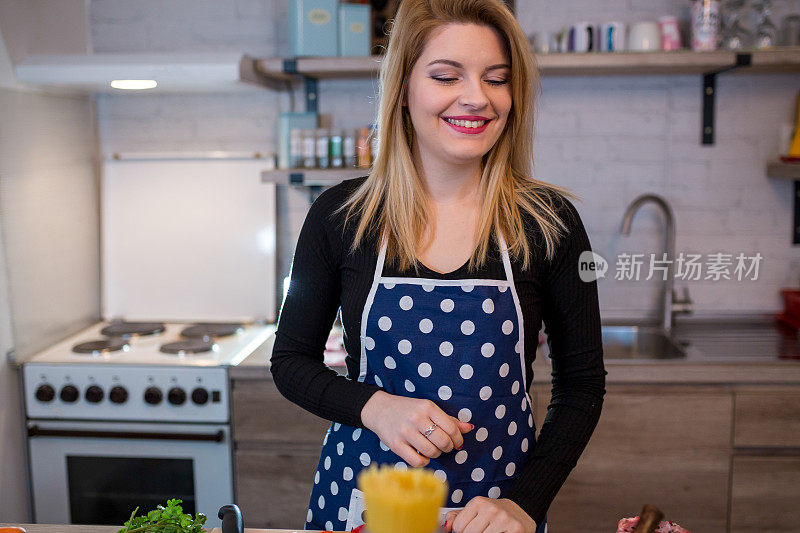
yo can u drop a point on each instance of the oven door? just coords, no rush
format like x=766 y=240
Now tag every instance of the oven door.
x=98 y=473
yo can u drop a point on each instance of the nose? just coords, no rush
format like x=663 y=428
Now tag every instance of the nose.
x=473 y=95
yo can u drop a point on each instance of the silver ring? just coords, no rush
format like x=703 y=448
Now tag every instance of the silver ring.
x=430 y=429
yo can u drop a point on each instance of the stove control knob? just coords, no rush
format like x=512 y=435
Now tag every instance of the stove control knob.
x=118 y=394
x=94 y=394
x=200 y=396
x=176 y=396
x=70 y=394
x=45 y=393
x=153 y=396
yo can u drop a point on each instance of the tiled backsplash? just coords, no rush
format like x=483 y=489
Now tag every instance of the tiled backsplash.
x=607 y=138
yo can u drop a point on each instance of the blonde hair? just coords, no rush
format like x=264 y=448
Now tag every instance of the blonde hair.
x=392 y=201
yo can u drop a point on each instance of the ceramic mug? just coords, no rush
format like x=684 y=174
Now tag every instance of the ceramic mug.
x=581 y=37
x=644 y=37
x=612 y=37
x=544 y=42
x=670 y=33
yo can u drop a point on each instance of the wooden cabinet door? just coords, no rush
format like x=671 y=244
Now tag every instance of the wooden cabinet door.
x=661 y=445
x=273 y=485
x=262 y=414
x=766 y=494
x=767 y=420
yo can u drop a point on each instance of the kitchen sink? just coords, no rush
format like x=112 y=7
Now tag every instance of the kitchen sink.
x=639 y=342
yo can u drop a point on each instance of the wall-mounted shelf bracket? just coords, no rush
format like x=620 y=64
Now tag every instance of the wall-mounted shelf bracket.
x=297 y=179
x=710 y=95
x=796 y=232
x=790 y=171
x=290 y=67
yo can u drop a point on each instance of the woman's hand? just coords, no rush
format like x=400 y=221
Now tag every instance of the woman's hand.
x=487 y=515
x=401 y=423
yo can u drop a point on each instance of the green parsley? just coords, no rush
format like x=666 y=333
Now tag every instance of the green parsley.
x=169 y=519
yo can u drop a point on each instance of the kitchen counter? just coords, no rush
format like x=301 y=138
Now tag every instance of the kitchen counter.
x=745 y=350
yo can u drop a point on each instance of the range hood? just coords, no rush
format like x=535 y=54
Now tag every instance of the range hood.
x=174 y=73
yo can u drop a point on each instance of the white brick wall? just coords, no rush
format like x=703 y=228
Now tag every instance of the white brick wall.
x=607 y=138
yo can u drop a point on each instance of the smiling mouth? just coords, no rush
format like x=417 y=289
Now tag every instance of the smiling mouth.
x=473 y=124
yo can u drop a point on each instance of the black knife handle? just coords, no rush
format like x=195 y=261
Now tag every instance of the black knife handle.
x=231 y=517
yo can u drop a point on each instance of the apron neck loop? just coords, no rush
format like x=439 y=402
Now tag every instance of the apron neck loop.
x=500 y=240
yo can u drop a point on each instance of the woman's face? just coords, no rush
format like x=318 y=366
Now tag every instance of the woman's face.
x=462 y=74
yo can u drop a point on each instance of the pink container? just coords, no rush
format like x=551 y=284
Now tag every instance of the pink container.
x=670 y=33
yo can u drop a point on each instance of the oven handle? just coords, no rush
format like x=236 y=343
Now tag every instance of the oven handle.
x=36 y=431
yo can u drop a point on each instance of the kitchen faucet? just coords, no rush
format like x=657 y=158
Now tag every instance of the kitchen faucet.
x=669 y=304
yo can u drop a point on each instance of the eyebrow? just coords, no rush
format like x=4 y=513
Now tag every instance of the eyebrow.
x=459 y=65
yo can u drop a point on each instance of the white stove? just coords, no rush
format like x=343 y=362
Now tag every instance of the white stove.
x=127 y=414
x=146 y=349
x=140 y=371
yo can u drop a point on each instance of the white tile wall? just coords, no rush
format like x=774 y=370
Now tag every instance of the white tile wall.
x=607 y=138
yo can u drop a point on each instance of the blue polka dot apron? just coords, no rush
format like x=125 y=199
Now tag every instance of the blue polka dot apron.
x=458 y=343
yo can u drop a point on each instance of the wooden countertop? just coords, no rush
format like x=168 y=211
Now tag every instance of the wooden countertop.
x=58 y=528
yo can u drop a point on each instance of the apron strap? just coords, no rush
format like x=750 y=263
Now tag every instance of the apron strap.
x=520 y=322
x=381 y=259
x=506 y=260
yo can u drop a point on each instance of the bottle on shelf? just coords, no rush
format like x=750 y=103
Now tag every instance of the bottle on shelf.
x=309 y=149
x=337 y=160
x=766 y=33
x=295 y=148
x=373 y=144
x=705 y=25
x=349 y=149
x=323 y=149
x=363 y=148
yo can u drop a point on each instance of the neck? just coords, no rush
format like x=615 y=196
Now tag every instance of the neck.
x=448 y=183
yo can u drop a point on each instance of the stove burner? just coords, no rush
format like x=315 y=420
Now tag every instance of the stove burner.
x=100 y=347
x=126 y=329
x=190 y=347
x=210 y=331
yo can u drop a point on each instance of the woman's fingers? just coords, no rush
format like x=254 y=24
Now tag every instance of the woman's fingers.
x=448 y=520
x=464 y=519
x=402 y=422
x=441 y=440
x=447 y=435
x=488 y=515
x=424 y=445
x=410 y=455
x=465 y=427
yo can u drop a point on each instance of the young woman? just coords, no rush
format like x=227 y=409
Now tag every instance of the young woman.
x=444 y=261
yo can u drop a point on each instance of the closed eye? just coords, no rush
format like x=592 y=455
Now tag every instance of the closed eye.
x=448 y=81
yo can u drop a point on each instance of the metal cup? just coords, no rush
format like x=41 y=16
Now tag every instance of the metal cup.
x=791 y=30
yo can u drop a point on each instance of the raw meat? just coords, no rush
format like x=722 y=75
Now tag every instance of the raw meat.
x=626 y=525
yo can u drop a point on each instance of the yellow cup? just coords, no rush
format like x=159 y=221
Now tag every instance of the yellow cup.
x=401 y=501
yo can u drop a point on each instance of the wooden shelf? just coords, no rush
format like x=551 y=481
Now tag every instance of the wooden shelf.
x=322 y=177
x=782 y=59
x=779 y=169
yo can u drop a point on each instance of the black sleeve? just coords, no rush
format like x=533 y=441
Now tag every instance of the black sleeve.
x=306 y=318
x=571 y=315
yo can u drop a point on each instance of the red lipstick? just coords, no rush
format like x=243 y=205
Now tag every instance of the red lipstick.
x=468 y=117
x=462 y=129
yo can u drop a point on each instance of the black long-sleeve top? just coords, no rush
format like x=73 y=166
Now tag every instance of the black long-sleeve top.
x=326 y=277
